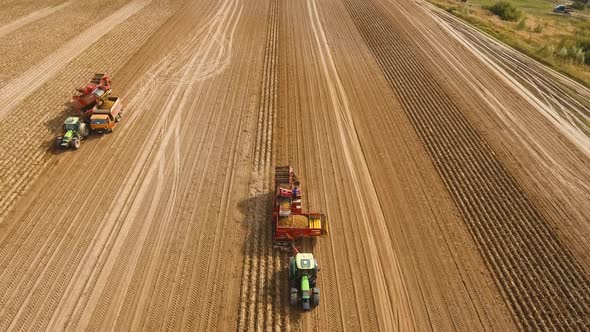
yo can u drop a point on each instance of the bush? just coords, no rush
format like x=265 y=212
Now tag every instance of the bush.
x=584 y=45
x=563 y=53
x=538 y=28
x=577 y=55
x=505 y=10
x=547 y=50
x=573 y=54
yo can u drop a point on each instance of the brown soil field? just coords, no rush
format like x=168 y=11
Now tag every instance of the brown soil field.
x=454 y=171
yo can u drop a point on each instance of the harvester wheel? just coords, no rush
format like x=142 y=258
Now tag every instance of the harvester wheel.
x=315 y=297
x=76 y=143
x=294 y=297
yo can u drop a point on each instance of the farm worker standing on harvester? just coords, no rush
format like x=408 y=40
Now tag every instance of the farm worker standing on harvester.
x=295 y=191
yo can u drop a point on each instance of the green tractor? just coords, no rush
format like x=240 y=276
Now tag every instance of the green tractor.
x=303 y=270
x=74 y=131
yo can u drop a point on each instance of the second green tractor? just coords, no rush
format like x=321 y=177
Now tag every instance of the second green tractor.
x=74 y=130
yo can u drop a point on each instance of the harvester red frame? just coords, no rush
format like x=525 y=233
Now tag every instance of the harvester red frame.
x=286 y=203
x=94 y=92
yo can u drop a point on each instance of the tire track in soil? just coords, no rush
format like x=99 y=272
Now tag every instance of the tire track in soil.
x=51 y=235
x=306 y=142
x=56 y=242
x=538 y=275
x=53 y=231
x=139 y=284
x=32 y=17
x=18 y=281
x=262 y=291
x=192 y=74
x=562 y=189
x=205 y=320
x=389 y=290
x=337 y=311
x=562 y=101
x=21 y=171
x=333 y=309
x=75 y=297
x=142 y=283
x=26 y=236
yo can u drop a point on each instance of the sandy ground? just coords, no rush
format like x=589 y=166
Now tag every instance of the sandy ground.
x=454 y=171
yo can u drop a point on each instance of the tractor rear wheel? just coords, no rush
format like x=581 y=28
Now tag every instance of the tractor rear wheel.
x=315 y=297
x=294 y=297
x=85 y=131
x=76 y=143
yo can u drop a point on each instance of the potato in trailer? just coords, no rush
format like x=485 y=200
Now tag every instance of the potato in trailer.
x=287 y=229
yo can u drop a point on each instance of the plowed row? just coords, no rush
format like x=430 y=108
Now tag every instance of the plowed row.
x=539 y=276
x=570 y=101
x=263 y=299
x=24 y=159
x=45 y=237
x=164 y=223
x=555 y=102
x=22 y=49
x=32 y=17
x=90 y=242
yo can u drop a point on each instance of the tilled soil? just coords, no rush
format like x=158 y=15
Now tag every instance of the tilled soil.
x=453 y=171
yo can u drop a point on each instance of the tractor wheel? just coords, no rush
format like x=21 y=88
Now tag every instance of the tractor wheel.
x=294 y=297
x=76 y=143
x=315 y=297
x=86 y=132
x=58 y=141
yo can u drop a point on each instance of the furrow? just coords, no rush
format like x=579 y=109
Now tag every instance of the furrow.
x=518 y=243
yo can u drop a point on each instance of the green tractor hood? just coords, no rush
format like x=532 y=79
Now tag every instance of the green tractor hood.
x=67 y=137
x=305 y=284
x=305 y=292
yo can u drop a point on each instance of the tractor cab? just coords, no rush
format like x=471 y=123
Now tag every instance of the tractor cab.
x=72 y=123
x=303 y=269
x=74 y=131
